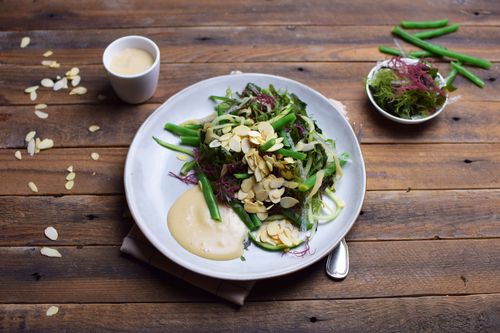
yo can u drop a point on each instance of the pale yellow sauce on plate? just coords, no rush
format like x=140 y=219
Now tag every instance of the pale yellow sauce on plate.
x=190 y=224
x=131 y=61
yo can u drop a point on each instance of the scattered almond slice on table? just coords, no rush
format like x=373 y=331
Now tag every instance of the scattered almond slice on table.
x=41 y=114
x=33 y=187
x=69 y=185
x=45 y=144
x=31 y=147
x=70 y=168
x=78 y=91
x=40 y=106
x=94 y=156
x=30 y=136
x=94 y=128
x=47 y=83
x=50 y=252
x=18 y=155
x=48 y=53
x=51 y=233
x=53 y=310
x=25 y=41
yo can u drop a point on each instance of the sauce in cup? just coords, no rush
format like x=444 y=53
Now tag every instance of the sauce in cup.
x=131 y=61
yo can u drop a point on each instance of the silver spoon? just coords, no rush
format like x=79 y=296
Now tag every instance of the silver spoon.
x=337 y=264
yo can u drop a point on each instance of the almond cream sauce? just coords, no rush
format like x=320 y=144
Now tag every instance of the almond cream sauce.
x=131 y=61
x=190 y=224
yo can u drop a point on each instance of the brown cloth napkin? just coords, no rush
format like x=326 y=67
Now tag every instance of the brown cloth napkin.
x=136 y=245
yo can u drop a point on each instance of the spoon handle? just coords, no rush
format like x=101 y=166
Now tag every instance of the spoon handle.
x=337 y=264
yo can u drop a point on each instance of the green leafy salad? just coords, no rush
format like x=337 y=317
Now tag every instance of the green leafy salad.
x=264 y=156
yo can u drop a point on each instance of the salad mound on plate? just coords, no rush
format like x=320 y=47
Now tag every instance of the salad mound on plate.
x=264 y=156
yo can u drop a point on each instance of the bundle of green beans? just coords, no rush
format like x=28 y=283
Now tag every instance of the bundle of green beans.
x=439 y=28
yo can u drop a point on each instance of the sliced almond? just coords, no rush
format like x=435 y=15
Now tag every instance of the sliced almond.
x=288 y=202
x=247 y=184
x=70 y=176
x=94 y=156
x=61 y=84
x=262 y=216
x=37 y=143
x=285 y=240
x=25 y=41
x=31 y=147
x=31 y=89
x=182 y=157
x=214 y=144
x=30 y=136
x=40 y=106
x=235 y=144
x=51 y=233
x=33 y=95
x=94 y=128
x=55 y=64
x=41 y=114
x=50 y=252
x=78 y=91
x=46 y=144
x=33 y=187
x=273 y=228
x=73 y=71
x=52 y=311
x=18 y=155
x=241 y=130
x=47 y=62
x=70 y=168
x=47 y=83
x=69 y=185
x=75 y=80
x=48 y=53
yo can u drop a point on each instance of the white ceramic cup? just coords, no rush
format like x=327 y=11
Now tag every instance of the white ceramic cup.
x=135 y=88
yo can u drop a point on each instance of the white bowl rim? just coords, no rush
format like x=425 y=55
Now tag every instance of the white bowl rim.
x=388 y=115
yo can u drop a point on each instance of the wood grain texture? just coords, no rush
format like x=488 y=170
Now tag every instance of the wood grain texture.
x=386 y=215
x=388 y=167
x=71 y=15
x=335 y=80
x=98 y=274
x=237 y=44
x=119 y=122
x=479 y=313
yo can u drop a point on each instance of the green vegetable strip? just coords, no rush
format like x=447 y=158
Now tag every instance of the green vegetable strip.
x=389 y=50
x=422 y=54
x=267 y=145
x=179 y=130
x=192 y=126
x=283 y=134
x=483 y=63
x=188 y=166
x=190 y=141
x=293 y=154
x=295 y=219
x=241 y=175
x=437 y=32
x=469 y=75
x=244 y=216
x=282 y=122
x=329 y=170
x=424 y=24
x=173 y=147
x=451 y=77
x=256 y=221
x=208 y=193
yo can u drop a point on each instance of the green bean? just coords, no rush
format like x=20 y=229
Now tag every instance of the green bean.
x=389 y=50
x=422 y=54
x=208 y=193
x=483 y=63
x=293 y=154
x=242 y=213
x=174 y=147
x=424 y=24
x=329 y=170
x=188 y=166
x=451 y=77
x=193 y=126
x=256 y=221
x=282 y=122
x=437 y=32
x=179 y=130
x=241 y=175
x=267 y=145
x=283 y=134
x=190 y=141
x=469 y=75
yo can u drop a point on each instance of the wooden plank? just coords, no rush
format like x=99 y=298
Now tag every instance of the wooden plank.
x=476 y=313
x=119 y=122
x=386 y=215
x=236 y=44
x=72 y=15
x=335 y=80
x=389 y=167
x=378 y=269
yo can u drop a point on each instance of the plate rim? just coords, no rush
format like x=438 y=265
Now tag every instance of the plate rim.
x=222 y=274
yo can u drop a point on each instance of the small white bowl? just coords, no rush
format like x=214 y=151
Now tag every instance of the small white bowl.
x=393 y=117
x=135 y=88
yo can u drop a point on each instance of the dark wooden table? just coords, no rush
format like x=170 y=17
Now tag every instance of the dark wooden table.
x=425 y=252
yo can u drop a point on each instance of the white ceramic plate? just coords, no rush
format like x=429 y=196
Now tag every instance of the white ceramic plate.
x=151 y=191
